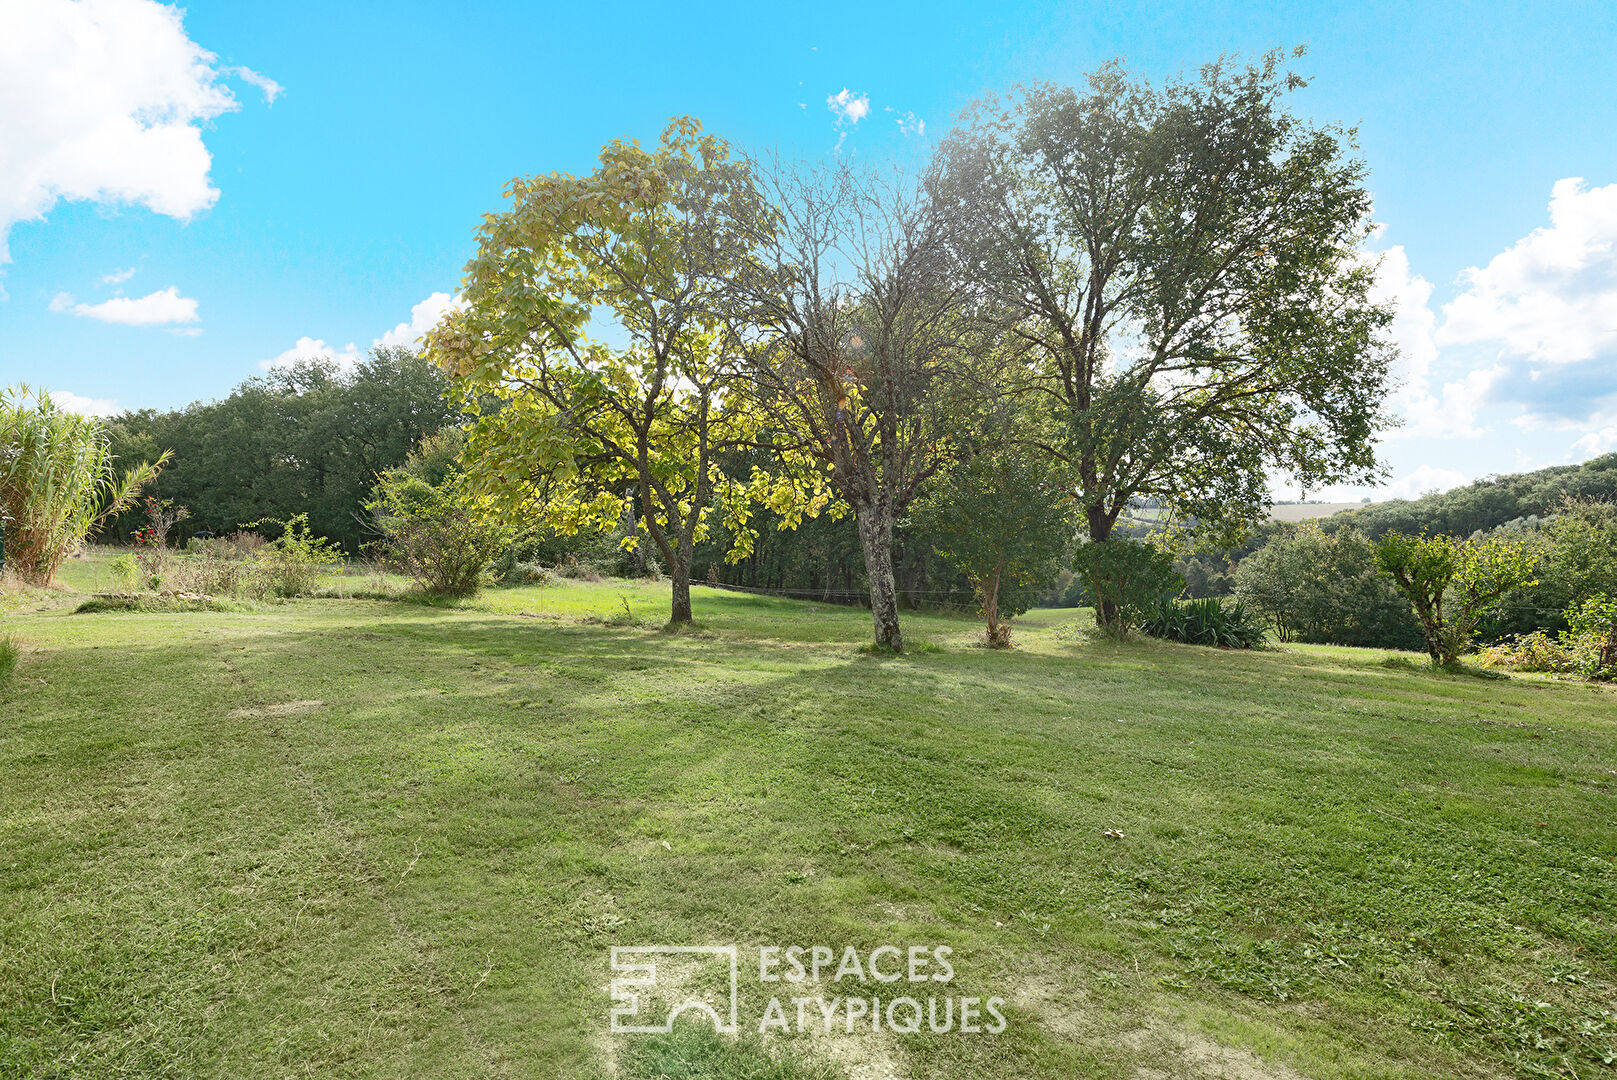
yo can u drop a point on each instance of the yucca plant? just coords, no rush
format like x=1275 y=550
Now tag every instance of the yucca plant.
x=1204 y=622
x=57 y=482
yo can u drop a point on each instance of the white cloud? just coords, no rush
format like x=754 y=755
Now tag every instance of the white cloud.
x=161 y=308
x=308 y=348
x=1450 y=411
x=908 y=122
x=103 y=100
x=848 y=106
x=1600 y=441
x=1425 y=478
x=423 y=317
x=117 y=277
x=84 y=406
x=1551 y=297
x=268 y=86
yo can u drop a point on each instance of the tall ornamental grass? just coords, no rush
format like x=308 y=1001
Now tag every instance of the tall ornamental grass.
x=57 y=482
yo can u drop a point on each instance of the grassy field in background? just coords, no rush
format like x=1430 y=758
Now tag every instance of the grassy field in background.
x=366 y=838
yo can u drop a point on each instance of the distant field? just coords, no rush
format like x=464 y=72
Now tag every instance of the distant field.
x=1309 y=511
x=343 y=838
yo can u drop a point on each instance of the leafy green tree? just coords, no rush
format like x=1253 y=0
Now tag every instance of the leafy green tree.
x=1452 y=583
x=1489 y=503
x=1127 y=579
x=57 y=482
x=1593 y=625
x=310 y=438
x=1004 y=519
x=1184 y=266
x=433 y=529
x=586 y=433
x=1581 y=559
x=1319 y=587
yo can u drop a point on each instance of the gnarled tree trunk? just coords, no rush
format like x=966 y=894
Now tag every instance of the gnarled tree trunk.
x=876 y=538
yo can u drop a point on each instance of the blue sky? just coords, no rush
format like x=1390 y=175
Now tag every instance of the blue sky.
x=143 y=162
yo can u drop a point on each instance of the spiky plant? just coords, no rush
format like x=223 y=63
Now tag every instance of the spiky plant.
x=57 y=482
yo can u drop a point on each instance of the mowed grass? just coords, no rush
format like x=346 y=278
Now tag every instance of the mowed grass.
x=362 y=838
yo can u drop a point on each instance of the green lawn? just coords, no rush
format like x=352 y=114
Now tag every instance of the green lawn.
x=364 y=838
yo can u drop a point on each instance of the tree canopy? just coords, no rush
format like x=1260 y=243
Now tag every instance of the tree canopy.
x=311 y=438
x=588 y=431
x=1183 y=267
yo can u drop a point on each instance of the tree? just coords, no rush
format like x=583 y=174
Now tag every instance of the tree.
x=57 y=482
x=310 y=438
x=1004 y=520
x=1452 y=583
x=1593 y=632
x=1127 y=579
x=1184 y=267
x=1325 y=588
x=433 y=529
x=585 y=433
x=859 y=347
x=1582 y=557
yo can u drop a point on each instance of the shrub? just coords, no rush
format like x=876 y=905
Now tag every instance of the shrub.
x=294 y=563
x=1317 y=587
x=1127 y=579
x=578 y=569
x=432 y=529
x=509 y=569
x=1537 y=651
x=149 y=603
x=1206 y=621
x=1593 y=635
x=125 y=571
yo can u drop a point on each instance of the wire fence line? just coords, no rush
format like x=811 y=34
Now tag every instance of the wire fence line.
x=849 y=597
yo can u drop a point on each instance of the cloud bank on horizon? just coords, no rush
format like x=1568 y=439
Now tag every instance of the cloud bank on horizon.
x=1533 y=334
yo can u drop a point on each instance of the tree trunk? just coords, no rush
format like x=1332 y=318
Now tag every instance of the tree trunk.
x=876 y=538
x=1100 y=528
x=998 y=637
x=679 y=573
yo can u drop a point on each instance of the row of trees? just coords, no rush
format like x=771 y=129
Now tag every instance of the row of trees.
x=311 y=438
x=1091 y=296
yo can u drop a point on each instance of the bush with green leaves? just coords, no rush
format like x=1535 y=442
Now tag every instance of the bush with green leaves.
x=1452 y=583
x=1205 y=621
x=295 y=563
x=434 y=531
x=1127 y=579
x=1325 y=588
x=511 y=569
x=1003 y=519
x=1538 y=651
x=1593 y=635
